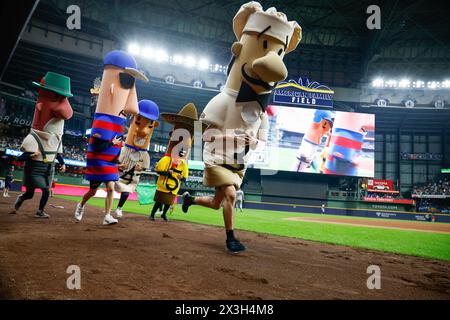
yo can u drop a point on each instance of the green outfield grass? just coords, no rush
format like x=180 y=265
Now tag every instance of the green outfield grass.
x=415 y=243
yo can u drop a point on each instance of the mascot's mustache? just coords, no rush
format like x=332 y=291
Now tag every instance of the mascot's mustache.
x=257 y=82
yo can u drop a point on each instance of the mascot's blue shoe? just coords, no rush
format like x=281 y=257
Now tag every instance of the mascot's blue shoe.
x=235 y=246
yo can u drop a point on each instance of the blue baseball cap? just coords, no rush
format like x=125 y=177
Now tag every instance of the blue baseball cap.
x=126 y=61
x=148 y=109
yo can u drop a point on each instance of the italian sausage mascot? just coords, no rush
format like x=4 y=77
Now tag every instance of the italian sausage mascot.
x=117 y=100
x=237 y=116
x=173 y=167
x=134 y=158
x=43 y=146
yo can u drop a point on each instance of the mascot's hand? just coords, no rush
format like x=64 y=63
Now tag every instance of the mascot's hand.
x=180 y=177
x=122 y=166
x=117 y=140
x=251 y=141
x=62 y=169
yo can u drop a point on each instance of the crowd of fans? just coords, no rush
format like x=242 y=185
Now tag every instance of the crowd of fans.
x=434 y=196
x=71 y=151
x=74 y=153
x=440 y=187
x=10 y=142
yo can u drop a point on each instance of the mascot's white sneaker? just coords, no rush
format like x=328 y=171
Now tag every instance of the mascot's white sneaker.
x=118 y=213
x=79 y=211
x=109 y=219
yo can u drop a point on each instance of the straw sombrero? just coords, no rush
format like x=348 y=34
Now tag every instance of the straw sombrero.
x=187 y=116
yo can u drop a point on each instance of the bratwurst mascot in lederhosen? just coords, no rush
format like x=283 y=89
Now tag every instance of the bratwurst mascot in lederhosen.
x=173 y=167
x=134 y=158
x=237 y=116
x=44 y=143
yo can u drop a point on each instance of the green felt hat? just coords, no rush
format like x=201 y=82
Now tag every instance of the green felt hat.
x=56 y=83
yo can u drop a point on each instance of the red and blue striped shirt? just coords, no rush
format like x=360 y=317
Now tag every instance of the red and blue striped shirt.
x=101 y=153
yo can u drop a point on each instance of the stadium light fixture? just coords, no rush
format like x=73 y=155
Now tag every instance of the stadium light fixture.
x=162 y=55
x=420 y=84
x=178 y=59
x=190 y=62
x=391 y=83
x=378 y=83
x=404 y=83
x=148 y=53
x=203 y=64
x=134 y=49
x=446 y=84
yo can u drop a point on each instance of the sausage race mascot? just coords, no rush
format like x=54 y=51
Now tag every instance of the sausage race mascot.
x=237 y=116
x=117 y=99
x=134 y=158
x=173 y=167
x=44 y=143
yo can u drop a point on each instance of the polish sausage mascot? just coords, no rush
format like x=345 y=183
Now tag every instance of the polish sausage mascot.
x=117 y=100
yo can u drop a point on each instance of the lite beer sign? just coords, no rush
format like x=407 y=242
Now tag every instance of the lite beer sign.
x=303 y=93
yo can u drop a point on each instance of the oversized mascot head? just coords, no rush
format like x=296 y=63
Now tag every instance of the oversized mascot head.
x=264 y=38
x=182 y=136
x=142 y=125
x=118 y=88
x=52 y=105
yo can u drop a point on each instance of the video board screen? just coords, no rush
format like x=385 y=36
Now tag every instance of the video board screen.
x=318 y=141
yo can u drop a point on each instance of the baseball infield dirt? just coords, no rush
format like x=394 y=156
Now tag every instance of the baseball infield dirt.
x=139 y=259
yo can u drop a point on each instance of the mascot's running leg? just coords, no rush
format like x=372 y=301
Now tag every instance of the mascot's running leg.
x=123 y=198
x=29 y=194
x=227 y=195
x=156 y=207
x=88 y=195
x=44 y=199
x=164 y=214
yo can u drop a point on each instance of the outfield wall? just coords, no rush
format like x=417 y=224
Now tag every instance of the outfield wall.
x=366 y=213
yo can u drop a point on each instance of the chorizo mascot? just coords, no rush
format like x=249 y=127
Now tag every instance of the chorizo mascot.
x=173 y=167
x=43 y=146
x=237 y=116
x=134 y=158
x=117 y=100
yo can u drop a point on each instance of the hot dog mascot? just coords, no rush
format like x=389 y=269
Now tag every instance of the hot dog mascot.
x=44 y=143
x=117 y=100
x=173 y=167
x=237 y=116
x=134 y=157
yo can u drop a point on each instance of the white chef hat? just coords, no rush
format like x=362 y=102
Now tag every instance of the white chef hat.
x=252 y=18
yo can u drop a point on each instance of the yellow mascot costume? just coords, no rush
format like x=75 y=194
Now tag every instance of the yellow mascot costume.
x=173 y=167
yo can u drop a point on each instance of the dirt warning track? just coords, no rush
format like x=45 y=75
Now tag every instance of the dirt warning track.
x=138 y=259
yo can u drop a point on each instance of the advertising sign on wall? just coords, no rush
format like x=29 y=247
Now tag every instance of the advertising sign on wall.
x=379 y=184
x=303 y=93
